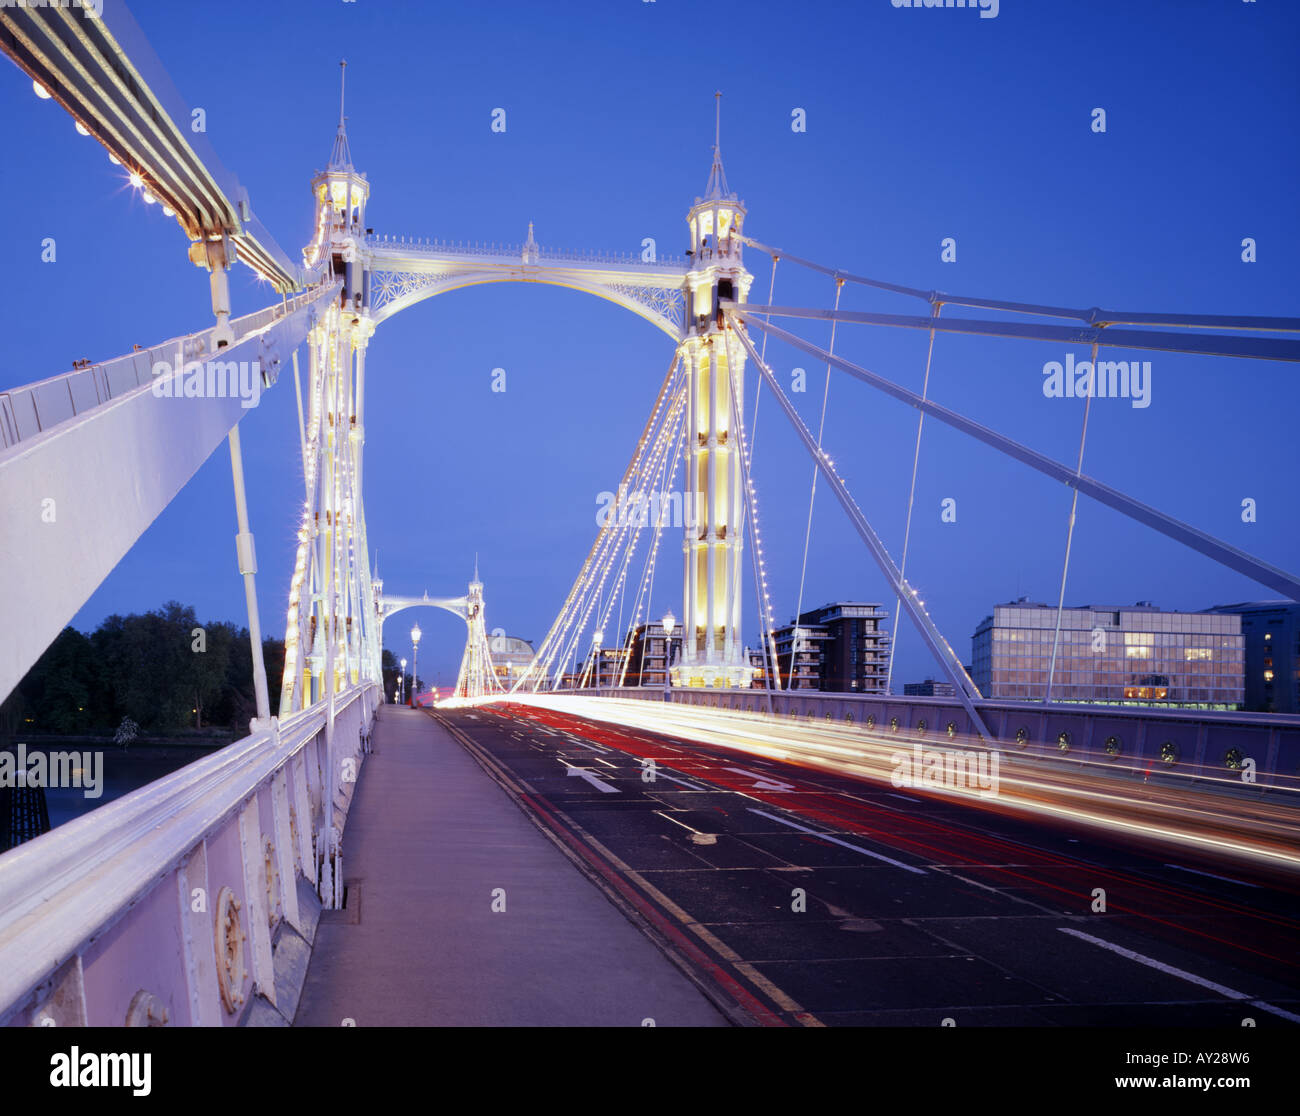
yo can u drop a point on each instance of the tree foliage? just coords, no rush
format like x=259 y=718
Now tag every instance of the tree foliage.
x=161 y=669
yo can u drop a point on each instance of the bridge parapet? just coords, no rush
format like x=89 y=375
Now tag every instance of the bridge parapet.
x=435 y=247
x=192 y=900
x=1205 y=745
x=35 y=408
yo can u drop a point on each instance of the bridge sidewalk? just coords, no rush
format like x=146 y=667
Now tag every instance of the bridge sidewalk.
x=428 y=839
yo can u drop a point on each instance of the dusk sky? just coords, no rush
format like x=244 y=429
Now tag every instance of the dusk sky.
x=921 y=125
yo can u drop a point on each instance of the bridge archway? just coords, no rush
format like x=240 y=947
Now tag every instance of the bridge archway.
x=395 y=292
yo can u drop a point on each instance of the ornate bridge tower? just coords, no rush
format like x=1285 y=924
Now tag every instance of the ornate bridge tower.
x=714 y=361
x=331 y=634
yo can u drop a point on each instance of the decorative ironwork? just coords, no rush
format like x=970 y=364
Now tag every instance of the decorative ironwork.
x=229 y=942
x=667 y=302
x=389 y=286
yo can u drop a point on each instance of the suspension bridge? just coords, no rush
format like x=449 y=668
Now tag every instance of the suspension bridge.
x=198 y=899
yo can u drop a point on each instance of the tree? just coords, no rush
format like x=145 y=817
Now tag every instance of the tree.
x=60 y=685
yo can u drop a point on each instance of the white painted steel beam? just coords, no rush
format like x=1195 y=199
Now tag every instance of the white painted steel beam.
x=103 y=71
x=75 y=497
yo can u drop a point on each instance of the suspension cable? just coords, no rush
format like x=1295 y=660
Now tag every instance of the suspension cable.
x=758 y=387
x=1069 y=534
x=1093 y=316
x=771 y=665
x=646 y=592
x=615 y=540
x=812 y=494
x=545 y=655
x=911 y=501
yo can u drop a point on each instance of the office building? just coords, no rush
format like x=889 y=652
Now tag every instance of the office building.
x=1271 y=631
x=1139 y=655
x=929 y=688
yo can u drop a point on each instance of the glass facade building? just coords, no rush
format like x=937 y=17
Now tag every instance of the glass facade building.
x=1138 y=655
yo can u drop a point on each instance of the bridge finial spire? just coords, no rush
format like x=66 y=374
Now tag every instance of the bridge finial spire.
x=341 y=156
x=717 y=187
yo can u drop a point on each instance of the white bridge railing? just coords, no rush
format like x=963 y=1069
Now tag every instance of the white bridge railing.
x=193 y=900
x=29 y=410
x=433 y=246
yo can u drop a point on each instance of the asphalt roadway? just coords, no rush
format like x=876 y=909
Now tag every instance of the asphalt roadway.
x=796 y=897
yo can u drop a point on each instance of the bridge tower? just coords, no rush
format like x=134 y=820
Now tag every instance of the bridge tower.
x=714 y=361
x=332 y=628
x=477 y=675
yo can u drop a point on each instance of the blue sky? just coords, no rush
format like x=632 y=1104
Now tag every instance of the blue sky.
x=920 y=125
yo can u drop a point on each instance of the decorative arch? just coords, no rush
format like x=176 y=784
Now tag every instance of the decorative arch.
x=392 y=291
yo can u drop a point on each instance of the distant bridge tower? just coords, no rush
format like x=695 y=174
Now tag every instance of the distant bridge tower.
x=712 y=652
x=477 y=674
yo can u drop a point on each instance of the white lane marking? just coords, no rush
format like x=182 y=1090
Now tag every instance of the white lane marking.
x=837 y=841
x=902 y=796
x=1182 y=974
x=593 y=747
x=599 y=784
x=1212 y=876
x=762 y=781
x=660 y=773
x=698 y=836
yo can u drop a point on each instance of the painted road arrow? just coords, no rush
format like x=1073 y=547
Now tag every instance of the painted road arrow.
x=582 y=773
x=762 y=782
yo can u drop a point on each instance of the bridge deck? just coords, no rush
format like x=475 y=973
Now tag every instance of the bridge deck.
x=429 y=837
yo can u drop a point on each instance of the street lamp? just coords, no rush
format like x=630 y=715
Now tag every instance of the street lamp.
x=596 y=637
x=401 y=684
x=415 y=662
x=669 y=623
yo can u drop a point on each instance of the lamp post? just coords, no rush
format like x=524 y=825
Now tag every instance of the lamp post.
x=596 y=638
x=401 y=684
x=415 y=662
x=669 y=623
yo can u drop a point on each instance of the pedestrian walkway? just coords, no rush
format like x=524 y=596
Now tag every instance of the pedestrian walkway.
x=429 y=839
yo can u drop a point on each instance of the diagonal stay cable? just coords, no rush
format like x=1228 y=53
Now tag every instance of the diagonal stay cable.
x=965 y=689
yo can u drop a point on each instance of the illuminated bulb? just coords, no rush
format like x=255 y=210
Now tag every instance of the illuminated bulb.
x=40 y=90
x=136 y=180
x=168 y=211
x=149 y=198
x=81 y=131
